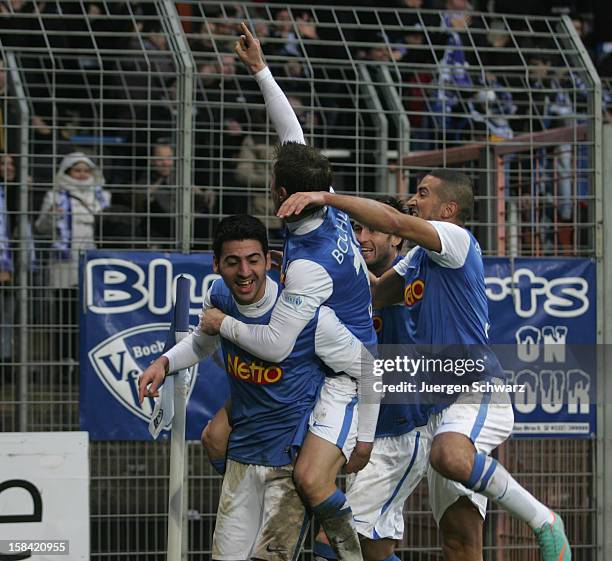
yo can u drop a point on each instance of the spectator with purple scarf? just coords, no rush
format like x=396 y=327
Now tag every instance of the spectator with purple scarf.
x=67 y=220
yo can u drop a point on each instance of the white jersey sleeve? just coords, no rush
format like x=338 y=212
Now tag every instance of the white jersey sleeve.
x=401 y=268
x=193 y=348
x=339 y=349
x=455 y=242
x=307 y=286
x=281 y=113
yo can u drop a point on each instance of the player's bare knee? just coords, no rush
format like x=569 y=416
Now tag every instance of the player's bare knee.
x=307 y=482
x=451 y=462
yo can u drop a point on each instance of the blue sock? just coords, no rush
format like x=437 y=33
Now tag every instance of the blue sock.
x=335 y=505
x=483 y=469
x=324 y=550
x=219 y=465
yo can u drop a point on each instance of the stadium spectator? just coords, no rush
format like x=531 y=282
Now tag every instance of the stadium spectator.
x=67 y=215
x=67 y=220
x=222 y=95
x=150 y=208
x=504 y=53
x=490 y=108
x=454 y=81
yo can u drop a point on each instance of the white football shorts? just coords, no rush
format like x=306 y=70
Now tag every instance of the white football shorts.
x=487 y=420
x=377 y=493
x=334 y=417
x=260 y=515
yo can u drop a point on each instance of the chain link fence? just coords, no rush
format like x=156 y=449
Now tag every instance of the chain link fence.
x=179 y=137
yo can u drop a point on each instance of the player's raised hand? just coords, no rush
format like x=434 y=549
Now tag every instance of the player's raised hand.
x=211 y=321
x=359 y=457
x=249 y=50
x=153 y=377
x=297 y=202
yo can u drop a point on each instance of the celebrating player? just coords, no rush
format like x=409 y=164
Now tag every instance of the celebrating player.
x=450 y=307
x=400 y=455
x=260 y=514
x=322 y=265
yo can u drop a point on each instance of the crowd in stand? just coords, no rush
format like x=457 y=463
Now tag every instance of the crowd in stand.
x=128 y=90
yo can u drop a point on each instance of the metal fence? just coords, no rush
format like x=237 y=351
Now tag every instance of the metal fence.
x=179 y=133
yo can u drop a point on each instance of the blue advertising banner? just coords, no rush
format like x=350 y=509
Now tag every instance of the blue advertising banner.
x=126 y=310
x=126 y=306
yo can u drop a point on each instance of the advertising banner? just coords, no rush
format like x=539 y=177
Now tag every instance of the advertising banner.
x=126 y=303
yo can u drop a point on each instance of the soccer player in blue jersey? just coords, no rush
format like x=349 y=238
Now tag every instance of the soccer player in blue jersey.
x=441 y=281
x=322 y=266
x=260 y=514
x=400 y=455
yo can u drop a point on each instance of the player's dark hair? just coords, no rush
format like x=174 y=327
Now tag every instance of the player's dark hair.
x=298 y=167
x=456 y=186
x=239 y=227
x=397 y=205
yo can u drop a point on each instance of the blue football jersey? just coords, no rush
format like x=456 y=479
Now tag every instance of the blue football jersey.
x=270 y=402
x=446 y=305
x=333 y=246
x=392 y=328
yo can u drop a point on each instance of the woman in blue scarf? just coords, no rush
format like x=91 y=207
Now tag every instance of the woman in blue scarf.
x=67 y=220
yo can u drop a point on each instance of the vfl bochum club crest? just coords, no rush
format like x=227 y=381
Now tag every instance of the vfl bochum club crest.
x=120 y=359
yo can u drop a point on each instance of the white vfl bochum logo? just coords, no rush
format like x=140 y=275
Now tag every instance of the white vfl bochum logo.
x=119 y=360
x=564 y=297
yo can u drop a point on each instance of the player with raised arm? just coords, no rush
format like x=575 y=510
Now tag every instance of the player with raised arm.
x=400 y=455
x=449 y=307
x=322 y=265
x=260 y=514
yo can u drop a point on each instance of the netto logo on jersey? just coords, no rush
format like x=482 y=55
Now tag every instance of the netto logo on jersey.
x=255 y=372
x=414 y=292
x=378 y=323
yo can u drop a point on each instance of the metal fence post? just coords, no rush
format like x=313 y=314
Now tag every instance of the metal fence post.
x=24 y=236
x=600 y=139
x=378 y=116
x=604 y=321
x=178 y=43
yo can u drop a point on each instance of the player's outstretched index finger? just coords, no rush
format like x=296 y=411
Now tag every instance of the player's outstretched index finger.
x=247 y=31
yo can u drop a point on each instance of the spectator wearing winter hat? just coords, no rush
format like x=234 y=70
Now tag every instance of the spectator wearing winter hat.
x=68 y=214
